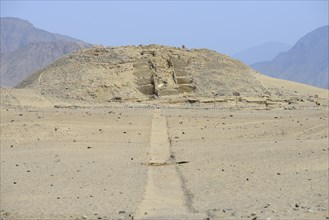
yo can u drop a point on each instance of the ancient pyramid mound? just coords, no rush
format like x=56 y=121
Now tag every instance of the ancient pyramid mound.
x=143 y=72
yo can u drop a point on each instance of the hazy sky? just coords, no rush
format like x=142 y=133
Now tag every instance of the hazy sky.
x=225 y=26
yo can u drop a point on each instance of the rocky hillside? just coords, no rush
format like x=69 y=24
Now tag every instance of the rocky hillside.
x=103 y=74
x=26 y=49
x=306 y=62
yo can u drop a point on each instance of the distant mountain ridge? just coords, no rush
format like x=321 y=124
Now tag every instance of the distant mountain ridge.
x=16 y=33
x=263 y=52
x=306 y=62
x=19 y=64
x=26 y=49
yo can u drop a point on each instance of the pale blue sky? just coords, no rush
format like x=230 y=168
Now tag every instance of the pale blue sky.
x=225 y=26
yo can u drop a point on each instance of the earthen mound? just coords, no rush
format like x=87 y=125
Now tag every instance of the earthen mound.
x=133 y=73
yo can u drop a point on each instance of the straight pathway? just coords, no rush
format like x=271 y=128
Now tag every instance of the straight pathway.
x=164 y=195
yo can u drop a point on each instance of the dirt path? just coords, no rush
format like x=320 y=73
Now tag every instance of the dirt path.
x=164 y=195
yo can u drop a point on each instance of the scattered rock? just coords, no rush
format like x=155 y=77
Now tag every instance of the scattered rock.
x=267 y=205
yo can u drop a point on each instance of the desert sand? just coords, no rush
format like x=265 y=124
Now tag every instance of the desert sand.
x=177 y=161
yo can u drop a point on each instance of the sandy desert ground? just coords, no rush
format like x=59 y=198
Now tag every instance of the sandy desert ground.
x=137 y=161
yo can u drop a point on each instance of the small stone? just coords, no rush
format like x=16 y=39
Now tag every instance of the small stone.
x=278 y=174
x=122 y=212
x=84 y=217
x=296 y=205
x=266 y=206
x=15 y=182
x=88 y=147
x=99 y=217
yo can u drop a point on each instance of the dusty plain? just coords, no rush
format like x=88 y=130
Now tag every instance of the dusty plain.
x=164 y=161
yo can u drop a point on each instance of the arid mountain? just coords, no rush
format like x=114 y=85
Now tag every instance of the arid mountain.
x=26 y=49
x=17 y=33
x=18 y=64
x=263 y=52
x=137 y=73
x=306 y=62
